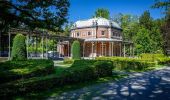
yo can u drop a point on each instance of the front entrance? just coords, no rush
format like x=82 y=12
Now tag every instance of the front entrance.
x=103 y=50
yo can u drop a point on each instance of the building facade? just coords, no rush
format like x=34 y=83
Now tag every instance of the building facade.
x=102 y=37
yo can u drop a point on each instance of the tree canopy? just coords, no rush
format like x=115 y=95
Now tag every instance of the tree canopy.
x=47 y=14
x=101 y=12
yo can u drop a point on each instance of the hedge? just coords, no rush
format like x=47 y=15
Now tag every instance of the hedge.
x=75 y=50
x=19 y=48
x=163 y=61
x=121 y=63
x=151 y=57
x=12 y=70
x=87 y=71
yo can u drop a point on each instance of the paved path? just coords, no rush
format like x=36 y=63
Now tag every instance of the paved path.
x=153 y=85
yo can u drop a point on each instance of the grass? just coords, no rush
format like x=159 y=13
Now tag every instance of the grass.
x=57 y=91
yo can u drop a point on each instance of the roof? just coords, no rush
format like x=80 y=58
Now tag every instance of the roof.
x=102 y=39
x=93 y=21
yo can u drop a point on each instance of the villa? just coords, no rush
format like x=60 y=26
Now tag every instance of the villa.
x=97 y=37
x=101 y=37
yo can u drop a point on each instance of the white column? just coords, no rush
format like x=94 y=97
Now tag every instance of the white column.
x=109 y=49
x=102 y=48
x=83 y=49
x=112 y=49
x=120 y=49
x=92 y=49
x=68 y=48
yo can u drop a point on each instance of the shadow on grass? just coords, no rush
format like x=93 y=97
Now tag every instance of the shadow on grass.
x=60 y=90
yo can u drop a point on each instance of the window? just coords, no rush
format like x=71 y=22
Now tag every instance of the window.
x=103 y=32
x=78 y=34
x=89 y=33
x=113 y=34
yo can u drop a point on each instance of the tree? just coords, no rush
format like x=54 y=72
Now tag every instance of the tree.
x=75 y=50
x=165 y=4
x=67 y=29
x=101 y=12
x=143 y=41
x=145 y=20
x=165 y=28
x=47 y=14
x=19 y=48
x=129 y=24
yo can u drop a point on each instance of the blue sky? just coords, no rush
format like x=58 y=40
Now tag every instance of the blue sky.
x=84 y=9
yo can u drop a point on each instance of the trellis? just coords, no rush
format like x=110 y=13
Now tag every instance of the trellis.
x=43 y=35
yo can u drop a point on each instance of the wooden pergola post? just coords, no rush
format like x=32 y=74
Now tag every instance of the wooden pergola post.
x=46 y=46
x=42 y=44
x=68 y=48
x=9 y=45
x=27 y=39
x=120 y=49
x=0 y=43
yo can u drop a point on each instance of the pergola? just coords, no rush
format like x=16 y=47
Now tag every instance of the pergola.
x=43 y=35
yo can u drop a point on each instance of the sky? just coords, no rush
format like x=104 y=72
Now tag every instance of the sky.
x=84 y=9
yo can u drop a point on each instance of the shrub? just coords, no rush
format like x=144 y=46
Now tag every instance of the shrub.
x=78 y=72
x=75 y=50
x=163 y=60
x=103 y=68
x=121 y=63
x=68 y=61
x=19 y=48
x=151 y=57
x=12 y=70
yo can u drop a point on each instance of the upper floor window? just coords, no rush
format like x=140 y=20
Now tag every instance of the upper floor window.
x=78 y=34
x=89 y=33
x=103 y=32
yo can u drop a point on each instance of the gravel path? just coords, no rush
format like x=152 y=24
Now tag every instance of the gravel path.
x=152 y=85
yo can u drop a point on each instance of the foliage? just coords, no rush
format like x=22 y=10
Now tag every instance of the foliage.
x=103 y=68
x=165 y=28
x=143 y=41
x=121 y=63
x=48 y=14
x=77 y=73
x=67 y=29
x=145 y=20
x=101 y=12
x=161 y=59
x=12 y=70
x=19 y=48
x=75 y=50
x=151 y=57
